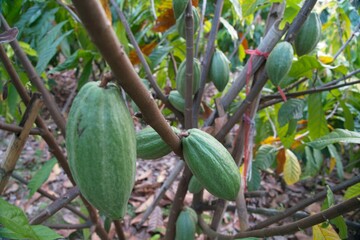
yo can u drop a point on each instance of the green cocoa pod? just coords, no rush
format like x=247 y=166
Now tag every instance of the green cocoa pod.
x=149 y=144
x=177 y=100
x=179 y=7
x=181 y=77
x=309 y=35
x=279 y=62
x=211 y=164
x=101 y=147
x=180 y=22
x=219 y=72
x=185 y=225
x=194 y=185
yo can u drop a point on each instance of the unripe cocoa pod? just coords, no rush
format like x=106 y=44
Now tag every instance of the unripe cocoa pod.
x=219 y=72
x=309 y=35
x=180 y=22
x=181 y=77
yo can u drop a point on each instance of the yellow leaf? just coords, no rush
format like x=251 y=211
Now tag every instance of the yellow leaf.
x=326 y=59
x=270 y=140
x=292 y=169
x=332 y=164
x=324 y=233
x=105 y=5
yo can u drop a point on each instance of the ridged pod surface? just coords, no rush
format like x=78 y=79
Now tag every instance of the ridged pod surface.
x=149 y=144
x=180 y=22
x=212 y=164
x=219 y=72
x=101 y=147
x=177 y=100
x=181 y=77
x=279 y=62
x=186 y=225
x=309 y=35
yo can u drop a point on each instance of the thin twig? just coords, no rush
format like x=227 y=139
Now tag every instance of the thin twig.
x=201 y=27
x=347 y=42
x=207 y=59
x=16 y=129
x=68 y=226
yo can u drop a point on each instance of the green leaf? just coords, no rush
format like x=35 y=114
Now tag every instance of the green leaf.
x=85 y=75
x=304 y=67
x=317 y=124
x=339 y=165
x=340 y=223
x=27 y=49
x=352 y=191
x=237 y=7
x=41 y=176
x=249 y=7
x=14 y=219
x=349 y=120
x=329 y=200
x=291 y=109
x=48 y=46
x=157 y=56
x=45 y=233
x=314 y=161
x=287 y=134
x=338 y=135
x=254 y=183
x=265 y=157
x=230 y=29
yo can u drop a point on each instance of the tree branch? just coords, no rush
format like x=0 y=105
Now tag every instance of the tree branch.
x=17 y=129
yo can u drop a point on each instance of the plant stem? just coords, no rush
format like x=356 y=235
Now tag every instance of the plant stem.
x=119 y=229
x=16 y=129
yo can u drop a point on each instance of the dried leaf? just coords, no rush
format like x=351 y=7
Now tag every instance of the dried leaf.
x=155 y=219
x=145 y=205
x=280 y=159
x=146 y=50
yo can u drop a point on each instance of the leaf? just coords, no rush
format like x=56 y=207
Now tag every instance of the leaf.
x=158 y=55
x=324 y=233
x=329 y=200
x=280 y=160
x=317 y=124
x=41 y=176
x=292 y=169
x=230 y=29
x=14 y=219
x=304 y=66
x=84 y=77
x=349 y=120
x=146 y=50
x=253 y=183
x=265 y=157
x=48 y=46
x=291 y=109
x=73 y=61
x=287 y=133
x=237 y=7
x=352 y=191
x=45 y=233
x=337 y=157
x=313 y=161
x=340 y=223
x=338 y=135
x=249 y=7
x=27 y=49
